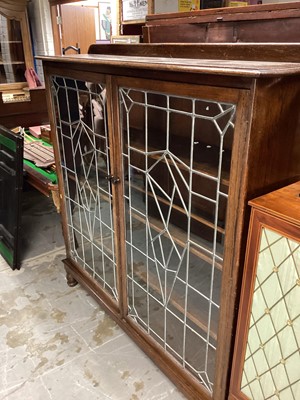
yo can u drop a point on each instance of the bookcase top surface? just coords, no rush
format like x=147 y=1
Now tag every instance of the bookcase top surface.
x=201 y=66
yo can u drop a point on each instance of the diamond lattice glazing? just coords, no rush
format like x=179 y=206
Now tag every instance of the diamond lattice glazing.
x=272 y=362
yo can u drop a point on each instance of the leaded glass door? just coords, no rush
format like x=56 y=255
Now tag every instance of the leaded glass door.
x=155 y=241
x=176 y=155
x=82 y=130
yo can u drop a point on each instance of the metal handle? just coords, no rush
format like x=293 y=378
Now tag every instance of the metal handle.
x=113 y=179
x=75 y=48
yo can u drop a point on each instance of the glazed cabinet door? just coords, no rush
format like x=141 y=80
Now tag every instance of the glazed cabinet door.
x=146 y=168
x=177 y=144
x=85 y=158
x=15 y=44
x=267 y=359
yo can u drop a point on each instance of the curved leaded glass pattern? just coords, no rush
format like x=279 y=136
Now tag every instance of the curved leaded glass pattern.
x=84 y=147
x=176 y=161
x=272 y=360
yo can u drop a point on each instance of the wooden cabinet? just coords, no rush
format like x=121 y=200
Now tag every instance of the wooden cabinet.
x=157 y=157
x=267 y=359
x=275 y=23
x=18 y=106
x=15 y=45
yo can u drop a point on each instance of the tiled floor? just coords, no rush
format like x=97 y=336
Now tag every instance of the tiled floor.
x=56 y=342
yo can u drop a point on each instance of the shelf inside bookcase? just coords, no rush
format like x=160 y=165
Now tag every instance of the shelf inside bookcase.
x=198 y=218
x=206 y=157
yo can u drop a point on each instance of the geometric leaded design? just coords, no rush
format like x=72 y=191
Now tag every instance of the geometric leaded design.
x=176 y=162
x=84 y=149
x=272 y=361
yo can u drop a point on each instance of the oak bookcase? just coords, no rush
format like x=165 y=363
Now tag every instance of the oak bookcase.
x=158 y=151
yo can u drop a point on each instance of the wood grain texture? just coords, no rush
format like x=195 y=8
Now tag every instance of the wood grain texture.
x=14 y=5
x=276 y=23
x=81 y=30
x=235 y=240
x=275 y=115
x=198 y=66
x=55 y=30
x=283 y=203
x=244 y=308
x=222 y=51
x=25 y=113
x=117 y=192
x=267 y=11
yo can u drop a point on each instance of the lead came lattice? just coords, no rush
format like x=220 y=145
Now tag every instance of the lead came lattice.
x=172 y=264
x=84 y=146
x=271 y=368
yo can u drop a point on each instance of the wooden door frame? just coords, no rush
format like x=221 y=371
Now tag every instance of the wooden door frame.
x=55 y=29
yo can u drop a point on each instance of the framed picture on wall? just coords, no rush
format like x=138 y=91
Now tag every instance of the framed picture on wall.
x=136 y=10
x=104 y=10
x=127 y=39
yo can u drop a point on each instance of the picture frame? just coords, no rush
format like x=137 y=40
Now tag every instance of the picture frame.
x=104 y=12
x=135 y=11
x=125 y=39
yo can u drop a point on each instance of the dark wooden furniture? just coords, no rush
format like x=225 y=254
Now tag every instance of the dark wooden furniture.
x=208 y=51
x=276 y=23
x=11 y=177
x=29 y=112
x=18 y=104
x=132 y=16
x=158 y=152
x=267 y=358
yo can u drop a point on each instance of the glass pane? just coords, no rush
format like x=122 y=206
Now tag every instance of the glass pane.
x=176 y=160
x=271 y=365
x=84 y=146
x=12 y=61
